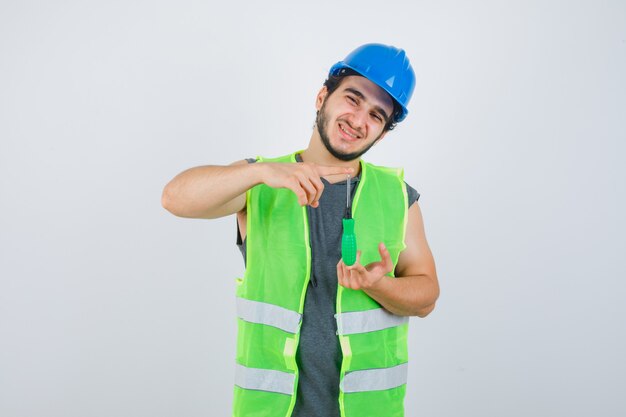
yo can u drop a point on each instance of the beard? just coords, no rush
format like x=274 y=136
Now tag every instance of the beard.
x=321 y=123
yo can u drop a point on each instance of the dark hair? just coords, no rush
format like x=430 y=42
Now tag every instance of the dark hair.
x=334 y=81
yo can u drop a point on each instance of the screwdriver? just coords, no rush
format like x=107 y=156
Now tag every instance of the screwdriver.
x=348 y=239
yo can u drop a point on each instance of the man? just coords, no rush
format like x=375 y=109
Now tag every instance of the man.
x=318 y=337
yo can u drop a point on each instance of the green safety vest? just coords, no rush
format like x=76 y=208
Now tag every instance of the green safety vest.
x=270 y=302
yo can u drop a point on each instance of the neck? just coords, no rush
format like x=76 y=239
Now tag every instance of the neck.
x=317 y=153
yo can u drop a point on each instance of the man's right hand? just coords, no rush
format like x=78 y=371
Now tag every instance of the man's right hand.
x=215 y=191
x=303 y=178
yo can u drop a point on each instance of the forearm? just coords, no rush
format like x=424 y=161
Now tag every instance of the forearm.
x=413 y=295
x=210 y=191
x=216 y=191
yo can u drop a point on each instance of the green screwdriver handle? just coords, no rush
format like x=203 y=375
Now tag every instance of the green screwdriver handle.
x=348 y=242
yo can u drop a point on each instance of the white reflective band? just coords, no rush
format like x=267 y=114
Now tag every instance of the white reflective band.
x=269 y=314
x=264 y=379
x=375 y=379
x=367 y=321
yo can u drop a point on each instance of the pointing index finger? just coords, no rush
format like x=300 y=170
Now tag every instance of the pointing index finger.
x=323 y=170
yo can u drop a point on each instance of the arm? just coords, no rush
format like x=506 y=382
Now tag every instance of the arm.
x=415 y=289
x=209 y=192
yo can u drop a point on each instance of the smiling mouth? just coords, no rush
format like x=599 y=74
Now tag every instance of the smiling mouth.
x=350 y=135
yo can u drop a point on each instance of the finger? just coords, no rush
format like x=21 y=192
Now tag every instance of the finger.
x=340 y=272
x=294 y=185
x=356 y=279
x=314 y=179
x=319 y=187
x=323 y=170
x=356 y=263
x=308 y=187
x=311 y=191
x=360 y=277
x=357 y=276
x=347 y=279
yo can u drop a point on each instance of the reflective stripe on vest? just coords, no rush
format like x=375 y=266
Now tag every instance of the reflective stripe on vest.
x=264 y=379
x=367 y=321
x=375 y=379
x=268 y=314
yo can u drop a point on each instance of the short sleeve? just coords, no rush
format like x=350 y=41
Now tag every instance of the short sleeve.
x=412 y=194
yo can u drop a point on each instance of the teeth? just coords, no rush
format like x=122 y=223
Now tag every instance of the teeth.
x=348 y=133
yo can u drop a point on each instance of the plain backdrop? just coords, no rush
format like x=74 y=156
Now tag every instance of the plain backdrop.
x=110 y=306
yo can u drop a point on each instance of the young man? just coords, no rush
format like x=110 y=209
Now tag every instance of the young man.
x=318 y=337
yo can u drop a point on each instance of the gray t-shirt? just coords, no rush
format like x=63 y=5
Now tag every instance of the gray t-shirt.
x=319 y=354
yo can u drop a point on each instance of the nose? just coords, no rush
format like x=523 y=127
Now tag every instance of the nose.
x=359 y=118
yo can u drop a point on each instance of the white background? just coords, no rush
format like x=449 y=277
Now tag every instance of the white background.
x=110 y=306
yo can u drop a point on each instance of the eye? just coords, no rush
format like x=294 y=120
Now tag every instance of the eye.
x=377 y=117
x=352 y=100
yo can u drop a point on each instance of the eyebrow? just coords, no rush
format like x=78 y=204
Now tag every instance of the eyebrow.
x=362 y=97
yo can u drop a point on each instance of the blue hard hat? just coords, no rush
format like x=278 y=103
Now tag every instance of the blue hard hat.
x=384 y=65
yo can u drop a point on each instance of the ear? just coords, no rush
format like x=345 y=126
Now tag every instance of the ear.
x=321 y=96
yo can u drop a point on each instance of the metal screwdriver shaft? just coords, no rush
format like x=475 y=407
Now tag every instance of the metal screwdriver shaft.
x=348 y=239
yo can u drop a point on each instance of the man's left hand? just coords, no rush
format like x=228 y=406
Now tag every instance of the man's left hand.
x=359 y=277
